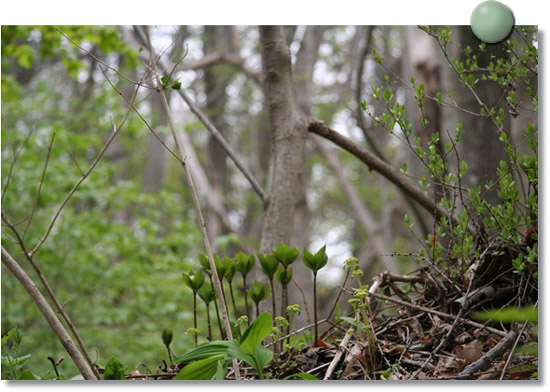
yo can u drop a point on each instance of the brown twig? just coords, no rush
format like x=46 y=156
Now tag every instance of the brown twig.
x=39 y=187
x=202 y=223
x=485 y=361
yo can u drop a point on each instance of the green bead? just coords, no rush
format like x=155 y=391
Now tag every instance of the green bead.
x=492 y=21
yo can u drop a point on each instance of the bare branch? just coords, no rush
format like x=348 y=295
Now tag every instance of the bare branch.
x=202 y=223
x=39 y=186
x=83 y=178
x=378 y=165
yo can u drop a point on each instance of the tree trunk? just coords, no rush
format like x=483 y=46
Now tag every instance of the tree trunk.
x=288 y=138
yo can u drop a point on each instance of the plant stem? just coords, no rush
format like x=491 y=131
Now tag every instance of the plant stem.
x=272 y=299
x=315 y=306
x=233 y=300
x=216 y=307
x=195 y=316
x=246 y=299
x=208 y=321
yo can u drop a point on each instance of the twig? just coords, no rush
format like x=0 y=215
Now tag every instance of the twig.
x=386 y=170
x=485 y=361
x=39 y=187
x=15 y=157
x=196 y=203
x=92 y=167
x=512 y=352
x=339 y=352
x=437 y=313
x=303 y=299
x=48 y=314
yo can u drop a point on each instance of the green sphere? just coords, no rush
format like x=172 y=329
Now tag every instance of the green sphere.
x=492 y=21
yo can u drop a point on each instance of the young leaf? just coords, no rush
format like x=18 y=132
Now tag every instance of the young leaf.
x=285 y=254
x=284 y=277
x=27 y=375
x=245 y=263
x=164 y=80
x=269 y=264
x=203 y=369
x=205 y=293
x=257 y=332
x=114 y=370
x=258 y=291
x=176 y=85
x=206 y=350
x=221 y=371
x=315 y=261
x=193 y=280
x=303 y=376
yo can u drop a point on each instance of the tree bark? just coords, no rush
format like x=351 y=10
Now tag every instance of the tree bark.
x=288 y=138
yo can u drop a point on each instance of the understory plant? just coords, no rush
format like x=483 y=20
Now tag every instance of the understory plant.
x=194 y=281
x=315 y=262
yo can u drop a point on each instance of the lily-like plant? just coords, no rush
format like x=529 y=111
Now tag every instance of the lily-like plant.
x=212 y=359
x=258 y=292
x=230 y=269
x=205 y=264
x=269 y=264
x=167 y=336
x=284 y=277
x=207 y=295
x=315 y=262
x=286 y=256
x=244 y=265
x=194 y=281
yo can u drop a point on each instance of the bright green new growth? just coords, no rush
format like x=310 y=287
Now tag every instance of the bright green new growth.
x=207 y=295
x=194 y=280
x=285 y=254
x=315 y=262
x=245 y=264
x=258 y=292
x=212 y=359
x=167 y=336
x=269 y=264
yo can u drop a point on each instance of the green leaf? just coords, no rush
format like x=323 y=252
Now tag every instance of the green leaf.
x=164 y=80
x=204 y=369
x=257 y=332
x=19 y=361
x=302 y=375
x=315 y=261
x=221 y=371
x=245 y=263
x=193 y=280
x=269 y=264
x=176 y=85
x=284 y=276
x=205 y=263
x=509 y=315
x=206 y=350
x=114 y=370
x=261 y=357
x=167 y=336
x=388 y=95
x=258 y=291
x=205 y=293
x=285 y=254
x=27 y=375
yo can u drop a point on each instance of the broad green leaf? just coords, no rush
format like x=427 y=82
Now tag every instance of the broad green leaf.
x=164 y=80
x=284 y=277
x=269 y=264
x=303 y=376
x=259 y=360
x=114 y=370
x=206 y=350
x=204 y=369
x=263 y=357
x=244 y=263
x=221 y=371
x=257 y=332
x=27 y=375
x=176 y=85
x=258 y=291
x=285 y=254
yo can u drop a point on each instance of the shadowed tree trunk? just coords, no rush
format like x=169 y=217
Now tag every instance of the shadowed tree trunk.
x=288 y=135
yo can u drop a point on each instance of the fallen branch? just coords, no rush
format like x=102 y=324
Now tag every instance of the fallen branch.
x=484 y=362
x=49 y=315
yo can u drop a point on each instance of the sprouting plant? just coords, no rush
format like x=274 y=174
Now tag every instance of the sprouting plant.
x=207 y=295
x=258 y=292
x=167 y=336
x=194 y=281
x=11 y=361
x=245 y=264
x=315 y=262
x=205 y=264
x=286 y=256
x=269 y=264
x=293 y=311
x=282 y=324
x=230 y=269
x=213 y=358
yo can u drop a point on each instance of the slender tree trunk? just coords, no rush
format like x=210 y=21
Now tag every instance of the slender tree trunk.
x=288 y=138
